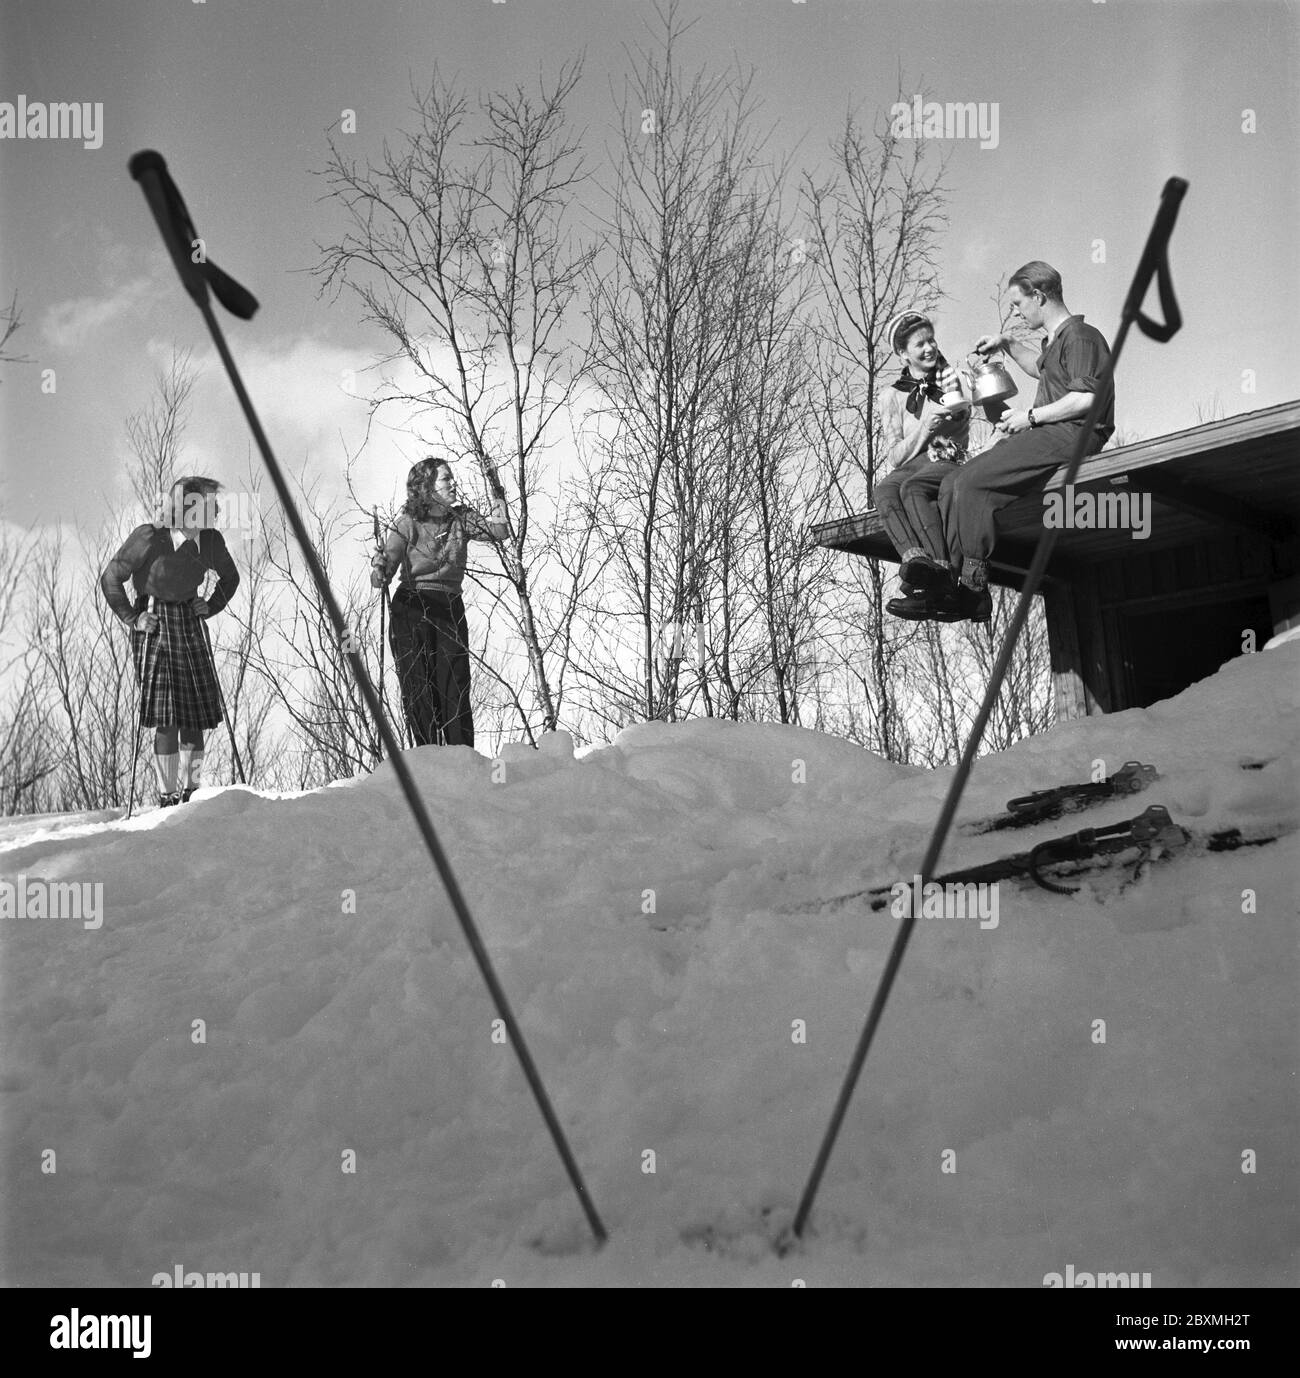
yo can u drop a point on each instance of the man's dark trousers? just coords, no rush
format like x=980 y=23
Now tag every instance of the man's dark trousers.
x=971 y=497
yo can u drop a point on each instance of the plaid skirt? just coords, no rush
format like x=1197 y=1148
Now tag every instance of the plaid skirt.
x=178 y=681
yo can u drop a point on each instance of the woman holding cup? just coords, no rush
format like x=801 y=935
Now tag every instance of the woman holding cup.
x=926 y=422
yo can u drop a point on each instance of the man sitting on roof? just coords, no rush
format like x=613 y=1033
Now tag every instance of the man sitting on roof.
x=1036 y=442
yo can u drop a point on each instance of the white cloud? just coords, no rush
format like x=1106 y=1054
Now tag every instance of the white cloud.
x=68 y=324
x=313 y=399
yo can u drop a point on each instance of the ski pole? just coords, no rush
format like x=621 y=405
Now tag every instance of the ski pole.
x=386 y=606
x=1153 y=263
x=383 y=605
x=135 y=760
x=139 y=729
x=221 y=701
x=180 y=237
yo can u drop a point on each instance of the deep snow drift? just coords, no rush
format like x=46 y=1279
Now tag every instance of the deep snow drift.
x=329 y=1031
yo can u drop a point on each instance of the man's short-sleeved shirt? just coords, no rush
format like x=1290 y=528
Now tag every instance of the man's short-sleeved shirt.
x=1073 y=362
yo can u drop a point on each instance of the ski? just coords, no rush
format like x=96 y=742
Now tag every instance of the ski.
x=1046 y=804
x=1152 y=835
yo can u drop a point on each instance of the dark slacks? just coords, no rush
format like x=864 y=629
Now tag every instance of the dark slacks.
x=970 y=498
x=430 y=641
x=907 y=501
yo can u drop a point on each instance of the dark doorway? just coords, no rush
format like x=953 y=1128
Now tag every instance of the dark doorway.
x=1165 y=651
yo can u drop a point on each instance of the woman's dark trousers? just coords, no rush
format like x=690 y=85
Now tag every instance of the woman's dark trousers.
x=908 y=504
x=430 y=641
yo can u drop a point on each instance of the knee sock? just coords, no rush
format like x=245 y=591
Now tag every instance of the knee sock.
x=166 y=766
x=191 y=766
x=191 y=760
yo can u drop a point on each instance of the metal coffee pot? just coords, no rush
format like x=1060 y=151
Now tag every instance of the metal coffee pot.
x=990 y=382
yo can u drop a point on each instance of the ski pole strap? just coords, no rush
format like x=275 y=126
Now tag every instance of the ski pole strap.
x=1155 y=261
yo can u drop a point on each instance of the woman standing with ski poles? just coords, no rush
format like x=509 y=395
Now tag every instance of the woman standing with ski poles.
x=167 y=564
x=427 y=626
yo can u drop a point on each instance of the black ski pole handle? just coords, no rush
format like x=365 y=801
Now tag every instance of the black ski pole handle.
x=149 y=168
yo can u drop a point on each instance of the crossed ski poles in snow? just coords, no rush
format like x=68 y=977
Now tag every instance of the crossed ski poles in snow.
x=173 y=218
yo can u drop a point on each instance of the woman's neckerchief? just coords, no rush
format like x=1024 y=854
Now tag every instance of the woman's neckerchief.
x=918 y=389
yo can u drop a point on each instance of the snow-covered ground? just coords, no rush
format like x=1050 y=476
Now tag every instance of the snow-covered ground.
x=330 y=1031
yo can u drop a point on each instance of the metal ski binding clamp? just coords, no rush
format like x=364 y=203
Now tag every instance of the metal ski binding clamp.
x=1133 y=777
x=1154 y=827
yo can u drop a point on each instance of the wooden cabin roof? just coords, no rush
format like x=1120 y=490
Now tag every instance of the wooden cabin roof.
x=1241 y=473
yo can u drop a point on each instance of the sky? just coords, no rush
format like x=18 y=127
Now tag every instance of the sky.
x=1098 y=102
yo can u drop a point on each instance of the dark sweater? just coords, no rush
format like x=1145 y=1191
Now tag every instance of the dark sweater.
x=157 y=570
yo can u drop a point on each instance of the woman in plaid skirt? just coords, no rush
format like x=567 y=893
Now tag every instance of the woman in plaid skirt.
x=167 y=565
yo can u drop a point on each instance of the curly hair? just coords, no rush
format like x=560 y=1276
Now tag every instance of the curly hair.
x=421 y=501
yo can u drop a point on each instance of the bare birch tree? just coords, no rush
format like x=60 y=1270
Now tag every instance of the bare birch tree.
x=876 y=220
x=296 y=652
x=666 y=298
x=86 y=678
x=11 y=321
x=28 y=754
x=458 y=246
x=775 y=493
x=156 y=434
